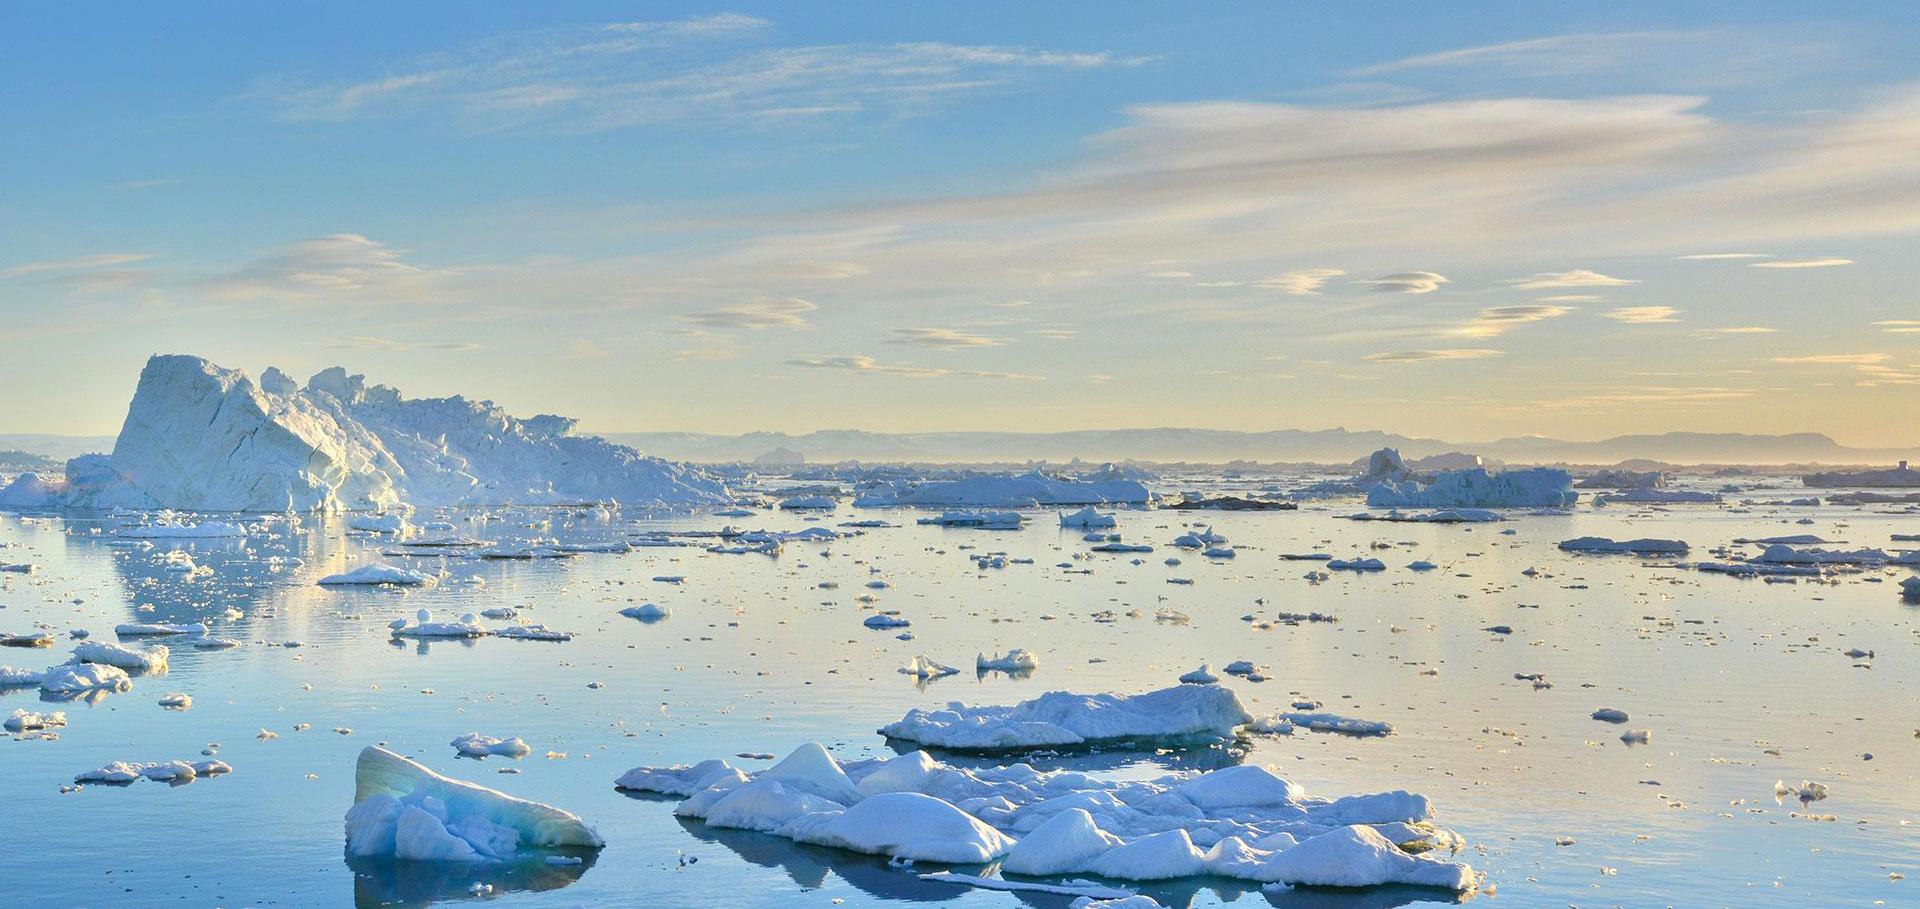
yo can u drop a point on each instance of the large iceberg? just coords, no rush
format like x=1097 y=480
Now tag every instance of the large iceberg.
x=1534 y=487
x=1242 y=822
x=204 y=438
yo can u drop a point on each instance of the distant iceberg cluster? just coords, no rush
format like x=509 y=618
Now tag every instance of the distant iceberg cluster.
x=204 y=438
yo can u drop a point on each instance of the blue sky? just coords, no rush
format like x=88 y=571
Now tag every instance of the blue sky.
x=1437 y=219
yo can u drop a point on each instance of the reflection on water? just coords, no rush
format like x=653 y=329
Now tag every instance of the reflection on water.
x=380 y=882
x=809 y=867
x=1740 y=684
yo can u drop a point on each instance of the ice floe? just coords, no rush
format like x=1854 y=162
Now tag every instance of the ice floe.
x=402 y=810
x=1183 y=713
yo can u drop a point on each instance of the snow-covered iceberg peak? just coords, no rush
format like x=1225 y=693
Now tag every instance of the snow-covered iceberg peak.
x=201 y=437
x=403 y=810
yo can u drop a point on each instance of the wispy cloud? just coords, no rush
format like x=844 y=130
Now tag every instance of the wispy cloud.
x=1408 y=282
x=944 y=338
x=1712 y=257
x=860 y=363
x=337 y=267
x=1719 y=55
x=761 y=313
x=1497 y=320
x=705 y=69
x=1824 y=262
x=365 y=342
x=78 y=263
x=1451 y=353
x=1643 y=315
x=1579 y=277
x=1299 y=282
x=1842 y=359
x=1899 y=326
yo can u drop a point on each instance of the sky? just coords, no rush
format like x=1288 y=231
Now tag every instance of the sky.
x=1462 y=221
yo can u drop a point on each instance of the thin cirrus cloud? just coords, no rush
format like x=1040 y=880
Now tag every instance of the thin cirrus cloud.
x=1899 y=326
x=1579 y=277
x=1408 y=282
x=861 y=363
x=366 y=342
x=1643 y=315
x=1845 y=359
x=333 y=268
x=702 y=69
x=944 y=338
x=77 y=263
x=1497 y=320
x=1299 y=282
x=756 y=315
x=1446 y=353
x=1822 y=262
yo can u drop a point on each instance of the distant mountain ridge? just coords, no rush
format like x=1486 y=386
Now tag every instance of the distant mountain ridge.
x=1327 y=446
x=1332 y=446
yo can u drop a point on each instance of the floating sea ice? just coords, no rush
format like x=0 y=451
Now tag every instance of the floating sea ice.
x=425 y=627
x=1201 y=676
x=1015 y=660
x=379 y=573
x=1183 y=713
x=175 y=700
x=402 y=810
x=24 y=720
x=1088 y=518
x=83 y=677
x=122 y=772
x=682 y=780
x=15 y=677
x=1333 y=722
x=924 y=667
x=474 y=744
x=1243 y=822
x=146 y=659
x=1604 y=545
x=1806 y=792
x=149 y=629
x=885 y=620
x=29 y=639
x=1356 y=565
x=533 y=633
x=1610 y=715
x=646 y=612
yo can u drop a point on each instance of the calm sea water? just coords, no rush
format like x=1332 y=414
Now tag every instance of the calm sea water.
x=1740 y=682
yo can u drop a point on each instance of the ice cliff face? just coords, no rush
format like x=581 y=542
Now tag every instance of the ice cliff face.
x=204 y=438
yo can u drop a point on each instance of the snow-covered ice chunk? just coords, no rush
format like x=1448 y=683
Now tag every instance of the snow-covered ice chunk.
x=147 y=659
x=925 y=667
x=77 y=678
x=905 y=825
x=474 y=744
x=1174 y=715
x=1017 y=660
x=1088 y=518
x=380 y=573
x=424 y=626
x=646 y=612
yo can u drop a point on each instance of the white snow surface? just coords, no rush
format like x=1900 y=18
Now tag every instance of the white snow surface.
x=201 y=437
x=1060 y=718
x=402 y=810
x=1244 y=822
